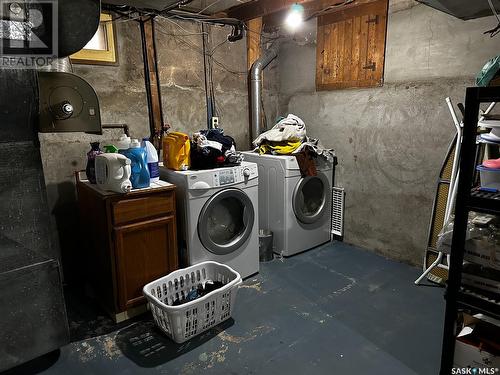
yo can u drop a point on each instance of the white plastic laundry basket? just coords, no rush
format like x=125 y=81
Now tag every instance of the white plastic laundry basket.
x=182 y=322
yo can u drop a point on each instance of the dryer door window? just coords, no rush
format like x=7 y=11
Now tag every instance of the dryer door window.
x=226 y=221
x=310 y=198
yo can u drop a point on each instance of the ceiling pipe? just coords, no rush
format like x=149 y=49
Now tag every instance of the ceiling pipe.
x=256 y=91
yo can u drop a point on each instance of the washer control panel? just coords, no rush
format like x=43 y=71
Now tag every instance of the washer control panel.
x=201 y=180
x=226 y=177
x=230 y=176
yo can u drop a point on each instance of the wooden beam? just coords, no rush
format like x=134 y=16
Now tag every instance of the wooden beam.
x=253 y=41
x=152 y=80
x=260 y=8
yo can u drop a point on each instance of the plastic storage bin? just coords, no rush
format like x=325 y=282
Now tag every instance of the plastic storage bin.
x=183 y=322
x=490 y=177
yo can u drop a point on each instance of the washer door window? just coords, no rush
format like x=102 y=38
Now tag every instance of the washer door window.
x=310 y=198
x=226 y=221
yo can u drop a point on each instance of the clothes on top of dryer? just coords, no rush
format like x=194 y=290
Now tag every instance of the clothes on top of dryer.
x=278 y=148
x=288 y=137
x=315 y=146
x=290 y=128
x=307 y=163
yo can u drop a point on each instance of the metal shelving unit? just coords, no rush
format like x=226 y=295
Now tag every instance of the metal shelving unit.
x=468 y=199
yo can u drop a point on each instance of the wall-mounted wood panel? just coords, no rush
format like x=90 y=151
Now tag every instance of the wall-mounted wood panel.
x=351 y=47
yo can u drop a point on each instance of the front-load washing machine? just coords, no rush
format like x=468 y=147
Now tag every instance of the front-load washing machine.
x=217 y=212
x=296 y=209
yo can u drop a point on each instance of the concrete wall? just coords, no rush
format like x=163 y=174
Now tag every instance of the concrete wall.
x=122 y=99
x=391 y=140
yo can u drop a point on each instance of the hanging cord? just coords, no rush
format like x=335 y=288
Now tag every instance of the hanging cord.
x=495 y=30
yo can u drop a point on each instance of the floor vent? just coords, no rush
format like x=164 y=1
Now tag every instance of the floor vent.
x=338 y=205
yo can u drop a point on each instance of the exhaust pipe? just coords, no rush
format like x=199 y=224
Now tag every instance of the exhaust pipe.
x=256 y=91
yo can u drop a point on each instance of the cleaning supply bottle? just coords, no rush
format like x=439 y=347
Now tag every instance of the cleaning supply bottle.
x=110 y=149
x=139 y=167
x=113 y=172
x=91 y=155
x=153 y=167
x=176 y=151
x=123 y=142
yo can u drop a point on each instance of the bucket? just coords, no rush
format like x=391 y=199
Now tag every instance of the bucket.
x=265 y=245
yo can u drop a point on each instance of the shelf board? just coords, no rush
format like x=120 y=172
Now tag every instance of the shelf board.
x=482 y=201
x=478 y=303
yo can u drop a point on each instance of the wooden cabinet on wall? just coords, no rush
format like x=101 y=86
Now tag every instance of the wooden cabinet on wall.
x=129 y=240
x=351 y=47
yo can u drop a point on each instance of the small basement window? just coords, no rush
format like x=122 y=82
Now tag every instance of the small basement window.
x=351 y=47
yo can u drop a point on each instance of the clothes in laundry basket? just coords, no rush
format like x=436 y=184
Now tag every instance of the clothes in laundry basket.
x=200 y=291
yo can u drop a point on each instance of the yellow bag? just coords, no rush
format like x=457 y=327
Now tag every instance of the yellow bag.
x=176 y=151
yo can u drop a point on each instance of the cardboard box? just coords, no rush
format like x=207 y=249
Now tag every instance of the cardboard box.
x=477 y=346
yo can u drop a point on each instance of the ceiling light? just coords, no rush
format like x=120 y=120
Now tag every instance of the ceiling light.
x=295 y=17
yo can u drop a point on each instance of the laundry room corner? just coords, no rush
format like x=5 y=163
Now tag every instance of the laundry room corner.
x=249 y=187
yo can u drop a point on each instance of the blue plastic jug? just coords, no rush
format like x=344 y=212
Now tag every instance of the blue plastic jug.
x=139 y=166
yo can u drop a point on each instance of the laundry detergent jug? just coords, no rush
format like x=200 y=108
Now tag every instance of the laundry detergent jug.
x=113 y=172
x=176 y=151
x=139 y=164
x=153 y=167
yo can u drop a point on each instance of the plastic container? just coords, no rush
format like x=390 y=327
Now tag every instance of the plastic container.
x=123 y=142
x=176 y=151
x=91 y=155
x=183 y=322
x=152 y=159
x=139 y=165
x=490 y=177
x=113 y=172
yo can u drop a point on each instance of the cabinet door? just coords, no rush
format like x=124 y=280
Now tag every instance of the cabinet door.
x=351 y=47
x=144 y=252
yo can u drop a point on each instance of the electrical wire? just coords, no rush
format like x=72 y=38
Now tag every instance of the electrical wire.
x=209 y=6
x=496 y=29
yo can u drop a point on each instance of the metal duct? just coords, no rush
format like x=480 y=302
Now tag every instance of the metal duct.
x=256 y=91
x=58 y=65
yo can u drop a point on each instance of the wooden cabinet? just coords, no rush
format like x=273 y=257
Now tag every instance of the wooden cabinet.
x=128 y=241
x=351 y=47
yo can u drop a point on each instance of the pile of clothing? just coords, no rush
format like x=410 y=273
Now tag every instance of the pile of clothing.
x=212 y=148
x=288 y=137
x=201 y=290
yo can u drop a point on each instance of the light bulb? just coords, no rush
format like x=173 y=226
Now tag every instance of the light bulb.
x=295 y=17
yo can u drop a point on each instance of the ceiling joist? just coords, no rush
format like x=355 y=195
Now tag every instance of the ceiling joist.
x=262 y=8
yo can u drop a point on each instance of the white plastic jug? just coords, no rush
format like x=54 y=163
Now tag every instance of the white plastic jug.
x=123 y=142
x=113 y=173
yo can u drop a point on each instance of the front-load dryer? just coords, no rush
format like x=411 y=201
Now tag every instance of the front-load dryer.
x=217 y=212
x=296 y=209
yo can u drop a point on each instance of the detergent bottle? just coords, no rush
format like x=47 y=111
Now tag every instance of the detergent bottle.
x=139 y=167
x=176 y=151
x=91 y=155
x=123 y=142
x=153 y=167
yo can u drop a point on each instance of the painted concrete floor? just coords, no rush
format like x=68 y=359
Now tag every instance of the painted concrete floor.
x=333 y=310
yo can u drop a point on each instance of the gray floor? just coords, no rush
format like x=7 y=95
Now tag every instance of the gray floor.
x=333 y=310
